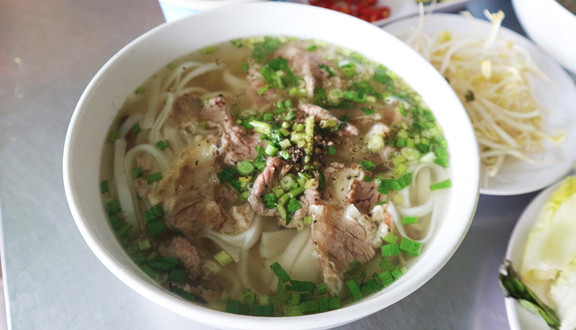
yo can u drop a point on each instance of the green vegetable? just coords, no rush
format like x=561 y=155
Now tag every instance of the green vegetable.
x=245 y=167
x=513 y=287
x=223 y=258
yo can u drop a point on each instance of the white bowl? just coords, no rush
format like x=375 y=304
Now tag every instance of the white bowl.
x=175 y=9
x=552 y=28
x=141 y=58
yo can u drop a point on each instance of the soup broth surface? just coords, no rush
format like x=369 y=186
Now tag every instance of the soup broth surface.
x=274 y=176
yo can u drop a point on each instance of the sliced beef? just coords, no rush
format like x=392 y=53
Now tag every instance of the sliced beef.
x=255 y=84
x=185 y=109
x=191 y=214
x=364 y=195
x=265 y=180
x=237 y=143
x=305 y=64
x=320 y=113
x=339 y=179
x=338 y=241
x=182 y=249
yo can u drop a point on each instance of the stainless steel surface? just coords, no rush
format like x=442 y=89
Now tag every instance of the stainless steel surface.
x=49 y=50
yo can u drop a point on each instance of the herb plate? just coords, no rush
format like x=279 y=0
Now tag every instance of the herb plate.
x=556 y=97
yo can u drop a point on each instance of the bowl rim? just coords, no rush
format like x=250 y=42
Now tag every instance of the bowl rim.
x=410 y=282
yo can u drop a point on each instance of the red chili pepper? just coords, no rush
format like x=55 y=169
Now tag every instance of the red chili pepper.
x=363 y=9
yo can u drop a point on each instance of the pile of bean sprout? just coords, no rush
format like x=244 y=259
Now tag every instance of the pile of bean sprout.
x=494 y=79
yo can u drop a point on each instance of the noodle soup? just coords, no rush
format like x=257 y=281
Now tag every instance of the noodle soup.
x=274 y=176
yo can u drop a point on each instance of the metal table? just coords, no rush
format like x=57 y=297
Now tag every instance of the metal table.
x=49 y=50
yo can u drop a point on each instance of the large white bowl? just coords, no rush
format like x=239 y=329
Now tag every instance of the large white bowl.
x=551 y=26
x=127 y=69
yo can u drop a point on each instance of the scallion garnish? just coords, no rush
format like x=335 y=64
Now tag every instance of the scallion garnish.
x=441 y=185
x=154 y=177
x=223 y=258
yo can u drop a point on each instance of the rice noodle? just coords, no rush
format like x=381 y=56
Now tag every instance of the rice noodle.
x=155 y=132
x=151 y=103
x=129 y=123
x=195 y=73
x=162 y=161
x=124 y=192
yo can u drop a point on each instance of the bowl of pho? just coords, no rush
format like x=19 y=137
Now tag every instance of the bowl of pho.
x=278 y=172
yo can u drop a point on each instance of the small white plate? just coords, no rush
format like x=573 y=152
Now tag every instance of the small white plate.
x=559 y=98
x=518 y=317
x=405 y=8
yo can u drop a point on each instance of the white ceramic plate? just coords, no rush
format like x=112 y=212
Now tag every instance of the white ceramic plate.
x=404 y=8
x=518 y=317
x=518 y=177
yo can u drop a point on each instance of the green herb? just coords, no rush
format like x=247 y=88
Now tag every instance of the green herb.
x=223 y=258
x=161 y=145
x=136 y=128
x=104 y=186
x=513 y=287
x=227 y=174
x=177 y=275
x=410 y=247
x=154 y=177
x=367 y=165
x=390 y=250
x=265 y=48
x=354 y=290
x=280 y=273
x=137 y=172
x=388 y=185
x=441 y=185
x=409 y=220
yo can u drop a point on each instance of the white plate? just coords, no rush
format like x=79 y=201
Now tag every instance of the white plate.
x=518 y=177
x=518 y=317
x=404 y=8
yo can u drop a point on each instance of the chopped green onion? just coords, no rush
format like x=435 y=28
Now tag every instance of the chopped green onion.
x=261 y=127
x=156 y=228
x=396 y=273
x=333 y=303
x=368 y=111
x=113 y=207
x=144 y=244
x=104 y=187
x=153 y=213
x=388 y=185
x=177 y=275
x=354 y=290
x=263 y=310
x=164 y=263
x=227 y=174
x=332 y=150
x=112 y=136
x=270 y=150
x=245 y=167
x=390 y=250
x=367 y=165
x=301 y=286
x=321 y=288
x=375 y=143
x=154 y=177
x=386 y=278
x=309 y=307
x=161 y=145
x=137 y=172
x=441 y=185
x=136 y=128
x=410 y=247
x=182 y=293
x=293 y=205
x=390 y=238
x=280 y=273
x=140 y=90
x=409 y=220
x=223 y=258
